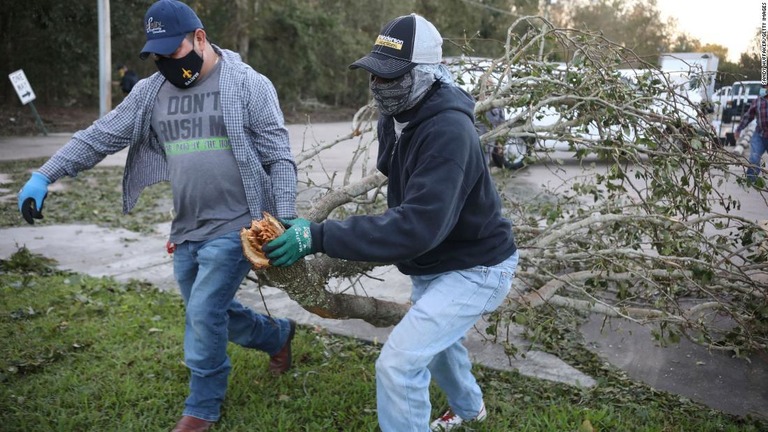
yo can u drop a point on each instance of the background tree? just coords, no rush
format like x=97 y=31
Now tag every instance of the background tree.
x=634 y=25
x=303 y=46
x=720 y=51
x=683 y=42
x=49 y=40
x=749 y=62
x=247 y=11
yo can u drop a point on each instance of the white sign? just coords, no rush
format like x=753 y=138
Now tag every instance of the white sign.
x=23 y=89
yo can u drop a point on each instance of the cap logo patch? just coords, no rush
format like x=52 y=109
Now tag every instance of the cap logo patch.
x=389 y=42
x=155 y=27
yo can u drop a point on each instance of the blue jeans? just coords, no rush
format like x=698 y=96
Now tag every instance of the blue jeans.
x=757 y=146
x=209 y=274
x=427 y=344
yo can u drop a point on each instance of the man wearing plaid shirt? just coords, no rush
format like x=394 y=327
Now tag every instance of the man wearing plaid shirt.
x=212 y=126
x=759 y=143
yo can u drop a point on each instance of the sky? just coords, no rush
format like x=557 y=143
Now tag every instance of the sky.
x=731 y=23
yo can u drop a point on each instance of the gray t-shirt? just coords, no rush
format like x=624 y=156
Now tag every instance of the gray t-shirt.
x=208 y=194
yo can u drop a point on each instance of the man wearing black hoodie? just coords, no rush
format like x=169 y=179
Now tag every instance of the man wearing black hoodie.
x=443 y=228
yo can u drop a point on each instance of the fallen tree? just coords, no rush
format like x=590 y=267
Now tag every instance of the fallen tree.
x=654 y=238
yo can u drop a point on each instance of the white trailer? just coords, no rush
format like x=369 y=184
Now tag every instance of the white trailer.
x=693 y=75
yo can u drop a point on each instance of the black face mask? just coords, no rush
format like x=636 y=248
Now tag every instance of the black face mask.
x=182 y=72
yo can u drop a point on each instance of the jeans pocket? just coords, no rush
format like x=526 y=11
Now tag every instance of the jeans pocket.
x=500 y=291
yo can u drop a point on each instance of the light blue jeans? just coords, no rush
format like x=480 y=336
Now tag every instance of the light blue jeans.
x=757 y=146
x=427 y=344
x=209 y=274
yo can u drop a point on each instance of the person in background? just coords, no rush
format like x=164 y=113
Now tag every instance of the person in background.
x=128 y=78
x=212 y=126
x=443 y=227
x=759 y=142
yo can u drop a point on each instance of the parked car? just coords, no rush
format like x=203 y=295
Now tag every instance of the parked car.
x=742 y=95
x=509 y=151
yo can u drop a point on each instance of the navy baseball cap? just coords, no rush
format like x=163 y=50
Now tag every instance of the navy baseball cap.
x=166 y=23
x=403 y=43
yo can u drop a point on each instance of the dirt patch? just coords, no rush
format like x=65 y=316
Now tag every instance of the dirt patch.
x=20 y=120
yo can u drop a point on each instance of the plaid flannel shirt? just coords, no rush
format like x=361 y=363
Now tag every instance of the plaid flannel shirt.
x=758 y=109
x=253 y=120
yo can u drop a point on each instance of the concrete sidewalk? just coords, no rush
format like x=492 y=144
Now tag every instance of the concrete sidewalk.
x=715 y=379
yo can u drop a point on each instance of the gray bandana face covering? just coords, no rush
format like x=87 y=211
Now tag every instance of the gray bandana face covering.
x=405 y=92
x=392 y=96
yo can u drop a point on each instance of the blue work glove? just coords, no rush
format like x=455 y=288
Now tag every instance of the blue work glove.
x=292 y=245
x=31 y=197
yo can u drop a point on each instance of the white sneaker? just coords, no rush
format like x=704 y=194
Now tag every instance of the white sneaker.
x=450 y=420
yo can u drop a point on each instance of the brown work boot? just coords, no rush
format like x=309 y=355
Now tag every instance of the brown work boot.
x=281 y=362
x=192 y=424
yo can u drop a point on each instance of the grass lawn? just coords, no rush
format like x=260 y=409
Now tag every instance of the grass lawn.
x=91 y=354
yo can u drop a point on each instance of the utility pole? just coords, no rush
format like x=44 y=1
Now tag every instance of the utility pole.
x=105 y=59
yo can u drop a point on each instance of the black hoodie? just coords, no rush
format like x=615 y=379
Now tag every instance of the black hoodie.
x=444 y=212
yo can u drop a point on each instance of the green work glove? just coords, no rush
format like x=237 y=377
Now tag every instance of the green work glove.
x=292 y=245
